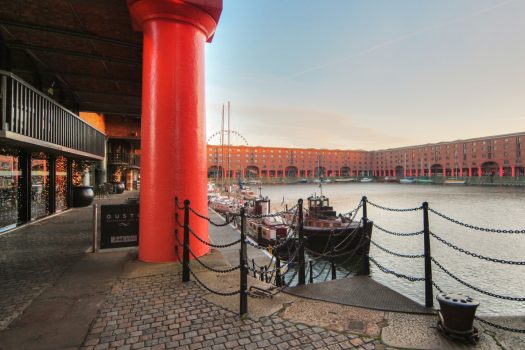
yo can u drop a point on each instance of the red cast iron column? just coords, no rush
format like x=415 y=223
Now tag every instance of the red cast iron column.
x=173 y=141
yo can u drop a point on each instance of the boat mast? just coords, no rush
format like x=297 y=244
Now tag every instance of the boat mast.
x=229 y=149
x=223 y=173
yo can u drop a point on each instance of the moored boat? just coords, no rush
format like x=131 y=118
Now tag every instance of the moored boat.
x=324 y=229
x=454 y=182
x=224 y=205
x=366 y=179
x=407 y=180
x=424 y=180
x=265 y=230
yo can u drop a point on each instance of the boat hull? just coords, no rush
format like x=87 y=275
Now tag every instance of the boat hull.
x=345 y=238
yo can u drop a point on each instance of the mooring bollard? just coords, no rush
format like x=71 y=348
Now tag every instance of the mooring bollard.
x=186 y=243
x=243 y=262
x=365 y=269
x=302 y=266
x=311 y=279
x=95 y=227
x=429 y=299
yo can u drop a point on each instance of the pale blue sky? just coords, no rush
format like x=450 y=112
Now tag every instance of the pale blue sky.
x=368 y=74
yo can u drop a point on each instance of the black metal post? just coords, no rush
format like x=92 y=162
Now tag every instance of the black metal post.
x=365 y=270
x=302 y=275
x=254 y=271
x=266 y=274
x=429 y=299
x=243 y=261
x=261 y=273
x=186 y=243
x=52 y=184
x=277 y=270
x=332 y=262
x=311 y=279
x=69 y=179
x=24 y=209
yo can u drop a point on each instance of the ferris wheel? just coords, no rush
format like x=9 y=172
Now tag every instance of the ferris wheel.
x=236 y=138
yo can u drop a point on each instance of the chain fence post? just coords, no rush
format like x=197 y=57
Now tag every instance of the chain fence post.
x=277 y=270
x=311 y=279
x=332 y=262
x=243 y=262
x=365 y=269
x=300 y=225
x=186 y=243
x=254 y=269
x=429 y=299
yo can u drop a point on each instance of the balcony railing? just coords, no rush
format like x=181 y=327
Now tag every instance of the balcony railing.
x=31 y=117
x=122 y=158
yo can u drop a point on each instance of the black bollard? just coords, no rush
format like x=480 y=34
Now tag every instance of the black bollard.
x=266 y=274
x=261 y=273
x=254 y=270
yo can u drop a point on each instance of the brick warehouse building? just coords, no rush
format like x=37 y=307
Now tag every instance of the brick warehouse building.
x=486 y=156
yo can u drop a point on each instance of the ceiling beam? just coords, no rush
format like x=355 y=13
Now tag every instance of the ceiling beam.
x=70 y=33
x=81 y=76
x=65 y=52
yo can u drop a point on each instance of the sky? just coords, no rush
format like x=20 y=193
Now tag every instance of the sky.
x=367 y=74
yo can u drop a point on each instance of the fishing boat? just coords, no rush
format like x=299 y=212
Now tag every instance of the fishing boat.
x=390 y=179
x=302 y=181
x=454 y=182
x=407 y=180
x=366 y=179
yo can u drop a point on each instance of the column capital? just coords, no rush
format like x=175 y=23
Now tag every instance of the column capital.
x=203 y=14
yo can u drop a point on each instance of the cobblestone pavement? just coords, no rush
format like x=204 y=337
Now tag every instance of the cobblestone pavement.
x=34 y=256
x=159 y=312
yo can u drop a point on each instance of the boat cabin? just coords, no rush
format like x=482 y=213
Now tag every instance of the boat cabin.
x=261 y=206
x=319 y=208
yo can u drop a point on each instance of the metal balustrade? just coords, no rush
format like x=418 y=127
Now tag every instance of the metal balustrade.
x=30 y=116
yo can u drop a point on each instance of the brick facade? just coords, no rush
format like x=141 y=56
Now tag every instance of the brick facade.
x=494 y=155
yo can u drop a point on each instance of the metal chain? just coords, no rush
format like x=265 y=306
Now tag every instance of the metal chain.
x=397 y=233
x=224 y=294
x=494 y=295
x=214 y=245
x=203 y=264
x=227 y=222
x=459 y=249
x=475 y=227
x=393 y=209
x=410 y=256
x=397 y=274
x=180 y=207
x=504 y=328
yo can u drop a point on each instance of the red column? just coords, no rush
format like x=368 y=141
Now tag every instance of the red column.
x=173 y=119
x=500 y=171
x=480 y=171
x=513 y=171
x=460 y=172
x=469 y=172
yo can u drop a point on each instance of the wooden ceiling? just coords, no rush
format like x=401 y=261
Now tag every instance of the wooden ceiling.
x=88 y=46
